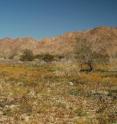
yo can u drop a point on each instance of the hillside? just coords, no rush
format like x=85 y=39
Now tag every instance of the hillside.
x=63 y=91
x=101 y=38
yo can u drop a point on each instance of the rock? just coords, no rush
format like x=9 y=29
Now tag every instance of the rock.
x=71 y=83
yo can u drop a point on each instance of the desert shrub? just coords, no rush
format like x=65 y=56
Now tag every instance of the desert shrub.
x=45 y=57
x=80 y=112
x=27 y=55
x=58 y=57
x=87 y=56
x=74 y=92
x=39 y=56
x=48 y=57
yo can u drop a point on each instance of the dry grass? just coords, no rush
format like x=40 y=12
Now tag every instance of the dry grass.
x=56 y=94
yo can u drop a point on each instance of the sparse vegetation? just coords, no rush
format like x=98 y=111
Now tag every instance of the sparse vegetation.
x=56 y=93
x=48 y=88
x=48 y=57
x=45 y=57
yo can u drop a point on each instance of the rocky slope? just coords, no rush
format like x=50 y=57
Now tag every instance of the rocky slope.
x=101 y=38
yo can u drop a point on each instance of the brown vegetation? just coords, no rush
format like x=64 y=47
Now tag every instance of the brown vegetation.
x=56 y=94
x=41 y=82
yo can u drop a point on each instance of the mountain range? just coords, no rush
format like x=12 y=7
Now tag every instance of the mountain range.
x=103 y=39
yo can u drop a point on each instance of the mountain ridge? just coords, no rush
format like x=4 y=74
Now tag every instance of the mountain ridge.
x=99 y=37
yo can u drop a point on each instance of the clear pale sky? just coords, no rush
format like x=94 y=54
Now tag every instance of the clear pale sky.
x=46 y=18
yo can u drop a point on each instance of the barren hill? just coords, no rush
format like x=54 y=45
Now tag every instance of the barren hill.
x=101 y=38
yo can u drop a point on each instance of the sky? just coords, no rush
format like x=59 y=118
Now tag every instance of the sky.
x=48 y=18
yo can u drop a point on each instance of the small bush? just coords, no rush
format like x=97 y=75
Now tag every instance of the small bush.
x=27 y=55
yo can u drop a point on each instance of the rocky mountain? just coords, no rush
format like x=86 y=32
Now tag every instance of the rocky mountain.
x=101 y=39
